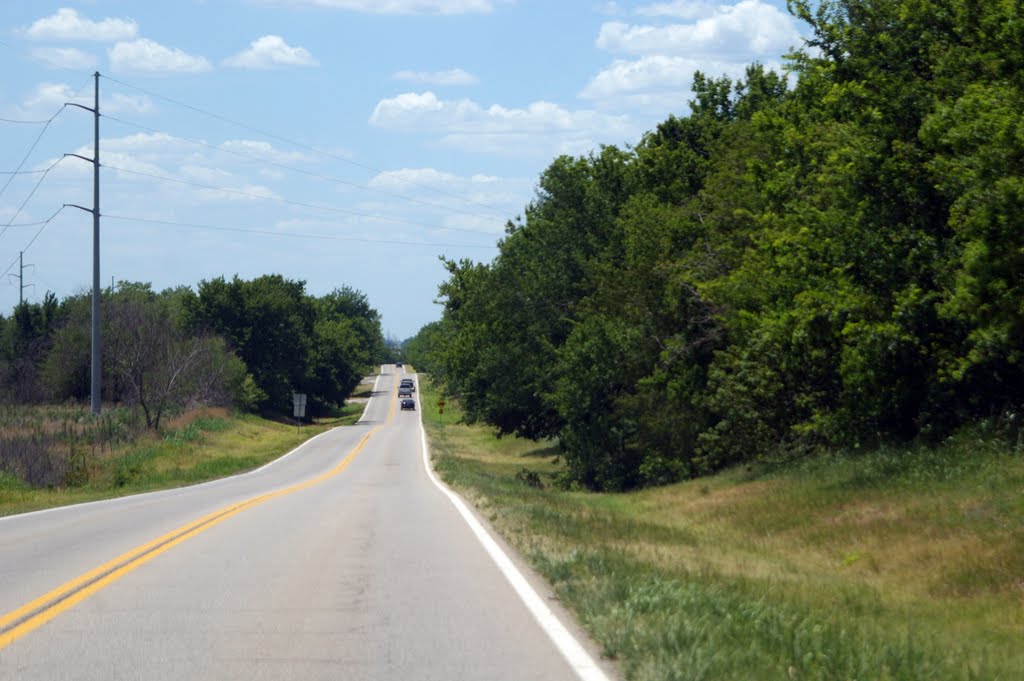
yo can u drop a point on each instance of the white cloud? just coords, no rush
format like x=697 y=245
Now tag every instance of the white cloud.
x=681 y=9
x=439 y=186
x=271 y=51
x=146 y=55
x=750 y=27
x=264 y=150
x=475 y=203
x=176 y=167
x=714 y=39
x=49 y=96
x=66 y=24
x=121 y=102
x=610 y=8
x=64 y=58
x=153 y=153
x=655 y=82
x=405 y=178
x=224 y=185
x=443 y=7
x=542 y=128
x=450 y=77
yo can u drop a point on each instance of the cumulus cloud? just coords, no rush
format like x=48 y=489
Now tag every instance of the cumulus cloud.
x=467 y=203
x=264 y=150
x=67 y=24
x=681 y=9
x=49 y=97
x=712 y=38
x=271 y=51
x=450 y=77
x=64 y=58
x=750 y=27
x=541 y=128
x=428 y=179
x=192 y=170
x=654 y=80
x=147 y=55
x=610 y=8
x=156 y=147
x=442 y=7
x=121 y=102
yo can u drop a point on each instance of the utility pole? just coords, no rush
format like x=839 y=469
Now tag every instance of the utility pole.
x=97 y=369
x=21 y=278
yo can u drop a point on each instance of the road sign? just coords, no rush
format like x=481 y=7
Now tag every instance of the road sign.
x=299 y=405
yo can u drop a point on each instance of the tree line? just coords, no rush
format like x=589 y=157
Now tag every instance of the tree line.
x=244 y=343
x=833 y=257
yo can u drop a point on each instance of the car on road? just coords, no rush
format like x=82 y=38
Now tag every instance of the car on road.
x=404 y=391
x=407 y=383
x=409 y=404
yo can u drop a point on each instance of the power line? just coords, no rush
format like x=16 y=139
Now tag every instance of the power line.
x=292 y=142
x=29 y=244
x=31 y=57
x=292 y=202
x=302 y=171
x=291 y=235
x=30 y=195
x=30 y=150
x=26 y=224
x=12 y=120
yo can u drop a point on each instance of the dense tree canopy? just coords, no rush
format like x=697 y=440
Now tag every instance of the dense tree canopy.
x=836 y=260
x=247 y=343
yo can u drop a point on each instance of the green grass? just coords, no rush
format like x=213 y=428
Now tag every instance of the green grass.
x=895 y=564
x=204 y=446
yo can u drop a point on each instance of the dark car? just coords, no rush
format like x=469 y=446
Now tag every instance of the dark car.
x=409 y=404
x=405 y=391
x=407 y=383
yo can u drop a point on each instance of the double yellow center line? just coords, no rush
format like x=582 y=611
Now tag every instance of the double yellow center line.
x=38 y=612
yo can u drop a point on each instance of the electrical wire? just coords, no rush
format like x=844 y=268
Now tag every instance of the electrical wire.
x=291 y=235
x=302 y=171
x=291 y=202
x=12 y=120
x=292 y=142
x=33 y=240
x=30 y=195
x=30 y=150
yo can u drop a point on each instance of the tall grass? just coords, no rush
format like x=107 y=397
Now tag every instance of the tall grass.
x=896 y=564
x=54 y=445
x=199 y=447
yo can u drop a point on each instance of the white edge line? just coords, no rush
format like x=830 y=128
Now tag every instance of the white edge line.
x=574 y=653
x=373 y=393
x=98 y=502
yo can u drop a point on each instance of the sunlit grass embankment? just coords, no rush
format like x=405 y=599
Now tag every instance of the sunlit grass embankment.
x=194 y=448
x=897 y=564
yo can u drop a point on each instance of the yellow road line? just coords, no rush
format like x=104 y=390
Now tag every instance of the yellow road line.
x=39 y=611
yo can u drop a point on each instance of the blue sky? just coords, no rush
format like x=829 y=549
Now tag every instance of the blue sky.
x=341 y=142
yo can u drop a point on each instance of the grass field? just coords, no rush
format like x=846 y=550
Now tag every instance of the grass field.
x=897 y=564
x=198 y=446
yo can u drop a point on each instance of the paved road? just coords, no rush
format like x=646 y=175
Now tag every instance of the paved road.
x=342 y=560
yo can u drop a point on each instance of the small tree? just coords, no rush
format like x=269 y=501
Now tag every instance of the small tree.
x=159 y=367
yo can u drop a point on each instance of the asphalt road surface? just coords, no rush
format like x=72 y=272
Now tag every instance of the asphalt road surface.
x=342 y=560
